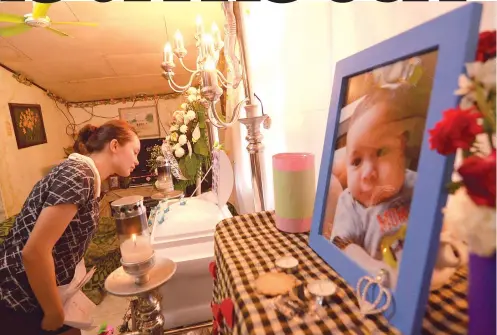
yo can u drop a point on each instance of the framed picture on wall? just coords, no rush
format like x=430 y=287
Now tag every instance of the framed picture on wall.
x=144 y=119
x=378 y=209
x=27 y=121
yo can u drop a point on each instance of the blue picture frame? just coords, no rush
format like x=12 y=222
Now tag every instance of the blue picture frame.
x=455 y=36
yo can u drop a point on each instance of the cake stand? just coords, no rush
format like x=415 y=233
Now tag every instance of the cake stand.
x=147 y=315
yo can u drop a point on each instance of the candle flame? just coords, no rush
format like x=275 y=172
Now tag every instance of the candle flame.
x=214 y=27
x=177 y=35
x=167 y=48
x=199 y=20
x=133 y=236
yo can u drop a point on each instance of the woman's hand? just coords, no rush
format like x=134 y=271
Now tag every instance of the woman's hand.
x=52 y=321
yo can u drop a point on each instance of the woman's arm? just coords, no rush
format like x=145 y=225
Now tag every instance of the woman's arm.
x=38 y=260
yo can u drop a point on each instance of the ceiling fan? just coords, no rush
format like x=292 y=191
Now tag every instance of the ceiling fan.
x=37 y=19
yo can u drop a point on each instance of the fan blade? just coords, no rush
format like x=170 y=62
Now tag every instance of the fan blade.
x=40 y=9
x=14 y=30
x=61 y=33
x=91 y=24
x=11 y=18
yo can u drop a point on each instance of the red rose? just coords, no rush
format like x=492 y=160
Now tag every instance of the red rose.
x=478 y=175
x=457 y=129
x=486 y=46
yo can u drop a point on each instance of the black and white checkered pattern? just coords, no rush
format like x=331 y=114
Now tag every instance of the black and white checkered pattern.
x=71 y=182
x=247 y=246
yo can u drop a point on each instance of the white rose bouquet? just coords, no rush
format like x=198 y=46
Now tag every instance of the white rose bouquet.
x=188 y=138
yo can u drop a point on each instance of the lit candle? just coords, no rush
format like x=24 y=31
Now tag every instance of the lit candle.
x=136 y=249
x=210 y=74
x=216 y=33
x=207 y=46
x=178 y=41
x=200 y=27
x=168 y=54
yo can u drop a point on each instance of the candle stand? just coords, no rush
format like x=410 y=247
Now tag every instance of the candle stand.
x=141 y=273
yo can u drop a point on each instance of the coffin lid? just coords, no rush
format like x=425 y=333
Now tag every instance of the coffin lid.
x=185 y=224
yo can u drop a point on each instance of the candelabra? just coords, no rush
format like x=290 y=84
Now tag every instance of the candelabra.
x=212 y=80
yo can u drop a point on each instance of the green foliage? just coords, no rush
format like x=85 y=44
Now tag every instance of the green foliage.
x=200 y=148
x=155 y=152
x=192 y=165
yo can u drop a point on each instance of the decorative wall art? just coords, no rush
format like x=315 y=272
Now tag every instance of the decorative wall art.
x=27 y=121
x=377 y=214
x=144 y=119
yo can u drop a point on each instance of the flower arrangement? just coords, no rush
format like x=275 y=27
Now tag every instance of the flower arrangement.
x=187 y=139
x=28 y=121
x=470 y=129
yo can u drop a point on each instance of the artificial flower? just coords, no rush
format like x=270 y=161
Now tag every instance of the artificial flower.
x=174 y=137
x=192 y=98
x=173 y=128
x=486 y=46
x=183 y=128
x=179 y=152
x=186 y=120
x=191 y=114
x=168 y=138
x=472 y=223
x=192 y=91
x=457 y=130
x=476 y=73
x=182 y=139
x=184 y=105
x=479 y=177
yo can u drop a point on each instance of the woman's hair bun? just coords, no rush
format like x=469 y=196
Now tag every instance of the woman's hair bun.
x=84 y=136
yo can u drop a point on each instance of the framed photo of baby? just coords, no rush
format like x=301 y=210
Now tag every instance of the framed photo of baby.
x=377 y=149
x=381 y=189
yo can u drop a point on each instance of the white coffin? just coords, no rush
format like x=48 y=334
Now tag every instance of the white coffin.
x=185 y=234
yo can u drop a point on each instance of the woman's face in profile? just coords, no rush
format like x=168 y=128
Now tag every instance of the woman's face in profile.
x=125 y=157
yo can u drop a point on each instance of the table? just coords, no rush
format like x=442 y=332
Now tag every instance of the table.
x=246 y=246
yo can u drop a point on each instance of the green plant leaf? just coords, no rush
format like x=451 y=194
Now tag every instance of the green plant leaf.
x=191 y=165
x=201 y=119
x=200 y=148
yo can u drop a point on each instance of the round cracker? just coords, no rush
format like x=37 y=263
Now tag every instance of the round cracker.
x=275 y=283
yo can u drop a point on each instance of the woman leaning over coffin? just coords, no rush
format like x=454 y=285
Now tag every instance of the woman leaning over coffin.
x=55 y=226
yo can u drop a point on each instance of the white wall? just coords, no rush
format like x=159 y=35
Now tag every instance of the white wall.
x=21 y=169
x=294 y=48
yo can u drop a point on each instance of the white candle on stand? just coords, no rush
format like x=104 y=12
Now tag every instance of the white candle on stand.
x=168 y=54
x=216 y=33
x=178 y=39
x=210 y=74
x=200 y=27
x=136 y=249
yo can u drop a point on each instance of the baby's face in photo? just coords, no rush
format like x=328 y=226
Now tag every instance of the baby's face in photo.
x=375 y=157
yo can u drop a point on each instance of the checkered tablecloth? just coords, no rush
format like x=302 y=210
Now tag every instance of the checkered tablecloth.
x=247 y=246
